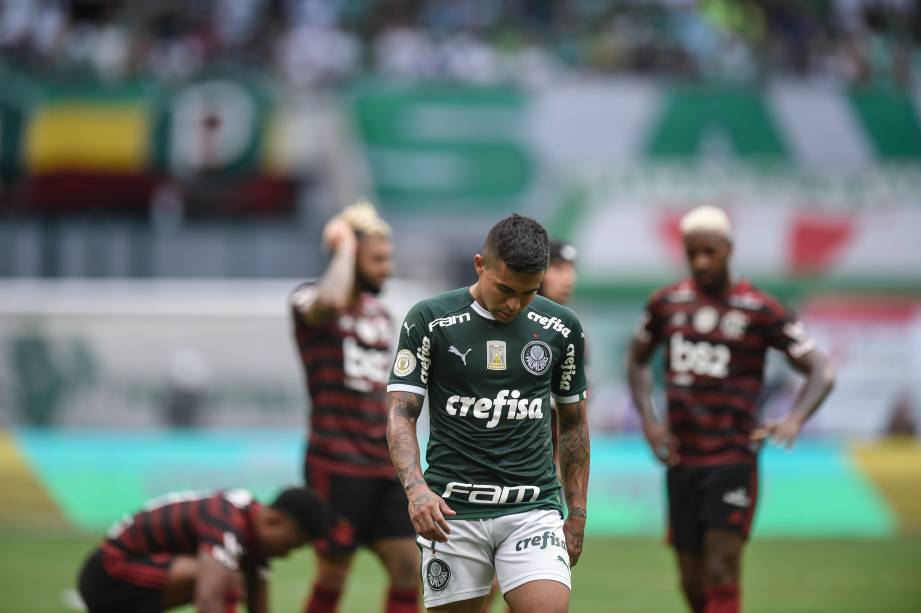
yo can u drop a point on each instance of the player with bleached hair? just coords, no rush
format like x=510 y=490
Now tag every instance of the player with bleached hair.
x=716 y=332
x=344 y=336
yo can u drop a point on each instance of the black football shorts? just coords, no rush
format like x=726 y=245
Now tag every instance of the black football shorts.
x=702 y=498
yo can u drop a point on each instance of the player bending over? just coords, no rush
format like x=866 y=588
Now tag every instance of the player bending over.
x=206 y=550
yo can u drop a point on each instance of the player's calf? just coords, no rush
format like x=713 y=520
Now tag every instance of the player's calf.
x=690 y=565
x=722 y=562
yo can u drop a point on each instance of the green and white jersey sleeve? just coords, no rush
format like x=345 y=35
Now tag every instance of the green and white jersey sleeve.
x=412 y=362
x=489 y=386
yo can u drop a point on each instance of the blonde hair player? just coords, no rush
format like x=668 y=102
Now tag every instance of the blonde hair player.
x=716 y=332
x=345 y=340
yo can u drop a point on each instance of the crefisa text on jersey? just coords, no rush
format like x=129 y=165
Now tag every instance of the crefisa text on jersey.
x=550 y=322
x=518 y=408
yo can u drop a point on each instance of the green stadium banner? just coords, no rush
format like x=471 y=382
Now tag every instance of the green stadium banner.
x=694 y=118
x=450 y=146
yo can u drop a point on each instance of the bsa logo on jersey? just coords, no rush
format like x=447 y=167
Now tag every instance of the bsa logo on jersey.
x=405 y=363
x=536 y=357
x=495 y=355
x=437 y=574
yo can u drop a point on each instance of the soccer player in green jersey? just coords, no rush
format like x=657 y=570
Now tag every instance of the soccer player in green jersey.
x=490 y=357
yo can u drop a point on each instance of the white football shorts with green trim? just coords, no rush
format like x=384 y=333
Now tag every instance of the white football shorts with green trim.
x=516 y=548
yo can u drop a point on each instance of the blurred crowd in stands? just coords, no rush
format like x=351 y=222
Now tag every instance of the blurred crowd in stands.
x=327 y=42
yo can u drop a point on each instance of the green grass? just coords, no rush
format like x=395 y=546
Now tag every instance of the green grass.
x=627 y=575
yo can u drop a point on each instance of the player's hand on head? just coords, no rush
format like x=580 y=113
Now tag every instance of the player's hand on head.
x=338 y=234
x=428 y=512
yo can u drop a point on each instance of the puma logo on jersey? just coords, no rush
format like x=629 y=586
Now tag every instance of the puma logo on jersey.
x=462 y=356
x=491 y=408
x=408 y=327
x=737 y=498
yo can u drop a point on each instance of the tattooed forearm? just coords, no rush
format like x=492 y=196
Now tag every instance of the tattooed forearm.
x=405 y=408
x=574 y=455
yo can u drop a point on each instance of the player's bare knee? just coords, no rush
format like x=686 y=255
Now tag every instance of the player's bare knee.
x=333 y=570
x=722 y=568
x=404 y=576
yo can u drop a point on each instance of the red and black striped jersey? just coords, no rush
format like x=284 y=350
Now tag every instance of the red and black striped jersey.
x=347 y=363
x=220 y=524
x=714 y=363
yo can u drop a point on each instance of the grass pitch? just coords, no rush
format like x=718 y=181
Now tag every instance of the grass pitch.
x=629 y=575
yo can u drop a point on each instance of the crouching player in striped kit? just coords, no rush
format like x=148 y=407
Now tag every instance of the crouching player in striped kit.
x=207 y=549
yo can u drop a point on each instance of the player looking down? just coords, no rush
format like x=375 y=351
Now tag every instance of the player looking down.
x=490 y=357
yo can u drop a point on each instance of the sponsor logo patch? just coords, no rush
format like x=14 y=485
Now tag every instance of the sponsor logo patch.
x=405 y=363
x=444 y=322
x=569 y=368
x=734 y=324
x=705 y=319
x=424 y=353
x=547 y=323
x=536 y=357
x=437 y=574
x=737 y=497
x=495 y=355
x=492 y=494
x=518 y=408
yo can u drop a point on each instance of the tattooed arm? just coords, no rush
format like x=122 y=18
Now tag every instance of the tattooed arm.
x=574 y=466
x=427 y=510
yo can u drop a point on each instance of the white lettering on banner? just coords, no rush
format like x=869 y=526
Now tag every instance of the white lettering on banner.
x=700 y=358
x=550 y=322
x=568 y=368
x=492 y=494
x=363 y=364
x=444 y=322
x=491 y=408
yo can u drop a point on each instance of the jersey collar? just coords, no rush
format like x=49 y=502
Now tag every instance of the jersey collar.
x=481 y=311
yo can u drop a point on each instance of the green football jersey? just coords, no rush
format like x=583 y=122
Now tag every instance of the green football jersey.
x=489 y=386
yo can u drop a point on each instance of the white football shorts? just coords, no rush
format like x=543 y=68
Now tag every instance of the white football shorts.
x=516 y=548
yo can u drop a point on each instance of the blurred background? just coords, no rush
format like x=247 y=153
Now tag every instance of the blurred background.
x=166 y=169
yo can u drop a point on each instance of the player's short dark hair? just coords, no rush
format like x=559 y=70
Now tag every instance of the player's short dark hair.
x=310 y=512
x=520 y=242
